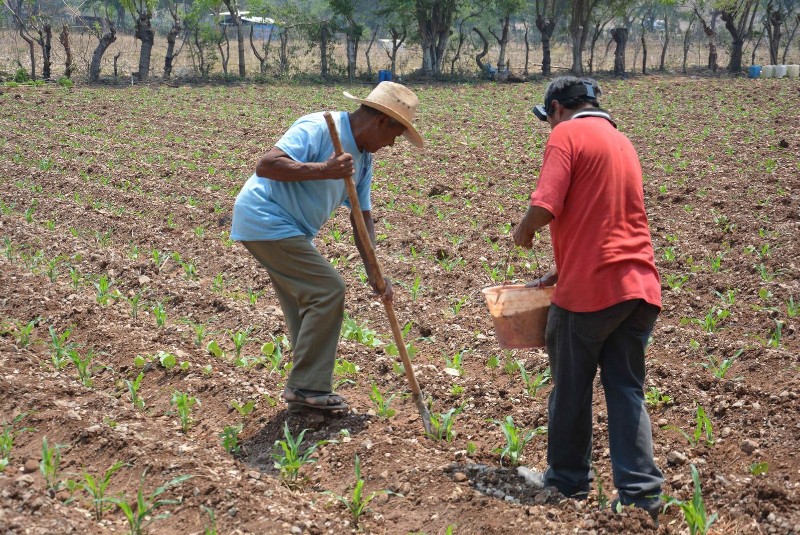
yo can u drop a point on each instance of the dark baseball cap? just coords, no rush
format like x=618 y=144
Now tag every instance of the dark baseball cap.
x=583 y=90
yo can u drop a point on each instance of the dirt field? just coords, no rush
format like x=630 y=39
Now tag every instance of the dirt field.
x=114 y=211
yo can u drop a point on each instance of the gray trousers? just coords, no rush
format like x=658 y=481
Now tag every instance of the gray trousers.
x=614 y=339
x=311 y=294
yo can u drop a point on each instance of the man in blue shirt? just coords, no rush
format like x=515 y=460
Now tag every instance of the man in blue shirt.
x=281 y=208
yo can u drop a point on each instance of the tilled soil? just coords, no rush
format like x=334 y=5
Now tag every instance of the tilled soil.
x=135 y=186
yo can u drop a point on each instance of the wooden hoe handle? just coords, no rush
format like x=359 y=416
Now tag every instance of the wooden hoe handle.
x=377 y=276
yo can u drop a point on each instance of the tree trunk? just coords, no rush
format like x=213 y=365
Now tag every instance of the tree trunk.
x=620 y=37
x=644 y=50
x=201 y=59
x=397 y=41
x=791 y=37
x=527 y=52
x=144 y=32
x=262 y=60
x=284 y=61
x=546 y=26
x=105 y=41
x=236 y=18
x=46 y=39
x=739 y=29
x=661 y=67
x=369 y=47
x=755 y=49
x=711 y=35
x=352 y=35
x=479 y=57
x=224 y=55
x=687 y=43
x=323 y=50
x=502 y=41
x=595 y=35
x=172 y=36
x=31 y=51
x=435 y=18
x=64 y=38
x=773 y=23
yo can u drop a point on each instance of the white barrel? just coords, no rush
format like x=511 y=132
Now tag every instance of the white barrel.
x=780 y=71
x=768 y=71
x=792 y=71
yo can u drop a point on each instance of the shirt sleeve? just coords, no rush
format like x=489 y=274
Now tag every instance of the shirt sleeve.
x=303 y=142
x=555 y=177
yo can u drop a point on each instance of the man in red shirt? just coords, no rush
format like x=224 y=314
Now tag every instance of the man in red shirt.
x=607 y=297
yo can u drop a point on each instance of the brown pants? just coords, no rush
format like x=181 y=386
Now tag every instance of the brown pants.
x=311 y=294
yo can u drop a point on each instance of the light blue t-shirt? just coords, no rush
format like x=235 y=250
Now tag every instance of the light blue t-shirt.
x=267 y=209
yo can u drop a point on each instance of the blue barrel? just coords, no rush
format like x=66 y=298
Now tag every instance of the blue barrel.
x=754 y=71
x=384 y=75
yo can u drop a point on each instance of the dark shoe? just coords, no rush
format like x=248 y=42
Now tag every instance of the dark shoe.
x=653 y=509
x=298 y=399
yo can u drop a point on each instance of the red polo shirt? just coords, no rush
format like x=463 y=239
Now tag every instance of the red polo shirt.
x=591 y=181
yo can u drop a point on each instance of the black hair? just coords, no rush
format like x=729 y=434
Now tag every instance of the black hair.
x=571 y=92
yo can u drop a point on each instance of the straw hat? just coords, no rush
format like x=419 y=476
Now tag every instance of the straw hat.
x=398 y=102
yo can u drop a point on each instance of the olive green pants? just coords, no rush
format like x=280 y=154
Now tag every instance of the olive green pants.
x=311 y=294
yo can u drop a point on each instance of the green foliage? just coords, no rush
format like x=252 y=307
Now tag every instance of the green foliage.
x=183 y=403
x=703 y=430
x=720 y=368
x=245 y=409
x=133 y=389
x=84 y=365
x=50 y=463
x=653 y=397
x=230 y=438
x=516 y=439
x=96 y=489
x=442 y=424
x=758 y=468
x=694 y=511
x=140 y=513
x=7 y=438
x=535 y=383
x=290 y=456
x=65 y=82
x=351 y=330
x=60 y=346
x=358 y=501
x=382 y=403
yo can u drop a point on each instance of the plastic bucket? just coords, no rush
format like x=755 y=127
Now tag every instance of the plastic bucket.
x=768 y=71
x=519 y=314
x=780 y=71
x=754 y=71
x=384 y=75
x=792 y=71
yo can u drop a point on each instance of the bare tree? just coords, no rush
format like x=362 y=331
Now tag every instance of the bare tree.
x=600 y=21
x=579 y=31
x=69 y=66
x=774 y=20
x=505 y=10
x=369 y=47
x=546 y=19
x=738 y=16
x=711 y=35
x=482 y=54
x=791 y=37
x=435 y=20
x=398 y=38
x=21 y=21
x=687 y=41
x=172 y=37
x=620 y=37
x=142 y=12
x=236 y=20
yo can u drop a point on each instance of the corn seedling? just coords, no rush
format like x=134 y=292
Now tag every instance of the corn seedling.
x=442 y=424
x=166 y=360
x=140 y=513
x=230 y=438
x=493 y=362
x=382 y=403
x=103 y=288
x=272 y=352
x=758 y=468
x=243 y=409
x=217 y=284
x=765 y=273
x=84 y=365
x=702 y=429
x=535 y=383
x=50 y=463
x=792 y=308
x=75 y=278
x=358 y=501
x=214 y=349
x=653 y=397
x=351 y=330
x=7 y=438
x=290 y=457
x=189 y=270
x=253 y=295
x=711 y=321
x=159 y=258
x=199 y=331
x=392 y=349
x=694 y=511
x=415 y=288
x=516 y=439
x=455 y=364
x=720 y=368
x=775 y=336
x=183 y=403
x=60 y=347
x=675 y=282
x=134 y=302
x=96 y=489
x=133 y=388
x=212 y=529
x=160 y=314
x=239 y=339
x=24 y=331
